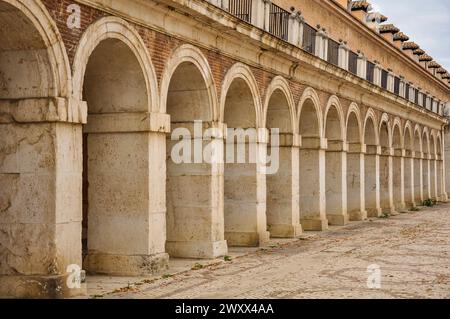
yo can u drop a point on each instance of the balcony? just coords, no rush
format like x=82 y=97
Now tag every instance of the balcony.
x=291 y=27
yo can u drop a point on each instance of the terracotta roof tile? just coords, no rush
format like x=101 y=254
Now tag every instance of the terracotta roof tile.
x=410 y=46
x=419 y=52
x=441 y=71
x=388 y=28
x=425 y=57
x=360 y=5
x=400 y=36
x=434 y=65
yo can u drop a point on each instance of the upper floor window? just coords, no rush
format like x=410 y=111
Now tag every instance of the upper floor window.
x=353 y=62
x=384 y=79
x=333 y=52
x=407 y=91
x=370 y=74
x=278 y=22
x=241 y=9
x=309 y=38
x=397 y=85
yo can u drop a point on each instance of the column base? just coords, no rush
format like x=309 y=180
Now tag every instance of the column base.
x=357 y=216
x=247 y=239
x=337 y=220
x=374 y=212
x=197 y=249
x=314 y=224
x=39 y=287
x=285 y=231
x=126 y=265
x=443 y=198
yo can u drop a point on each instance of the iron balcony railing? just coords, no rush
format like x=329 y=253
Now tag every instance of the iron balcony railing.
x=333 y=52
x=241 y=9
x=309 y=38
x=353 y=62
x=370 y=72
x=384 y=79
x=279 y=22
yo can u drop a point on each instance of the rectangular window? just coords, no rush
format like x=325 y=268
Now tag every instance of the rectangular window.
x=278 y=22
x=384 y=79
x=309 y=38
x=241 y=9
x=370 y=68
x=407 y=91
x=397 y=85
x=353 y=62
x=416 y=96
x=333 y=52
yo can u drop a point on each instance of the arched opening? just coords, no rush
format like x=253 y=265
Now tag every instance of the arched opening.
x=355 y=170
x=371 y=168
x=397 y=170
x=426 y=166
x=244 y=185
x=195 y=227
x=312 y=170
x=433 y=169
x=418 y=191
x=409 y=168
x=283 y=214
x=440 y=173
x=40 y=179
x=335 y=164
x=115 y=160
x=385 y=168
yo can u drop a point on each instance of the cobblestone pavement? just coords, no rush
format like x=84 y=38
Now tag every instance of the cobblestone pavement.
x=412 y=249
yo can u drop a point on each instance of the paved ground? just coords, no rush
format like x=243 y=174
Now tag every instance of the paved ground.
x=412 y=250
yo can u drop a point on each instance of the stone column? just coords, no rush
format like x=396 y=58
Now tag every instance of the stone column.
x=408 y=165
x=355 y=182
x=40 y=196
x=283 y=206
x=126 y=167
x=195 y=216
x=372 y=180
x=426 y=176
x=433 y=177
x=398 y=179
x=418 y=189
x=312 y=184
x=336 y=183
x=386 y=180
x=441 y=179
x=245 y=194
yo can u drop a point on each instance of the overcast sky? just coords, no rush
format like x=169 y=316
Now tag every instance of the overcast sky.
x=426 y=22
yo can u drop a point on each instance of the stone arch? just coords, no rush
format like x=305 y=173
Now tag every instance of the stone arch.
x=408 y=138
x=408 y=142
x=354 y=125
x=40 y=67
x=188 y=70
x=355 y=164
x=310 y=114
x=240 y=77
x=334 y=120
x=397 y=134
x=283 y=217
x=426 y=164
x=433 y=166
x=371 y=126
x=371 y=166
x=116 y=32
x=385 y=131
x=240 y=105
x=280 y=91
x=38 y=194
x=417 y=138
x=418 y=165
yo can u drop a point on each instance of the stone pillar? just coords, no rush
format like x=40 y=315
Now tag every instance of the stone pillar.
x=283 y=206
x=398 y=179
x=245 y=194
x=258 y=16
x=312 y=184
x=195 y=227
x=418 y=189
x=343 y=56
x=355 y=182
x=386 y=180
x=433 y=177
x=362 y=66
x=426 y=176
x=295 y=23
x=336 y=183
x=40 y=196
x=441 y=180
x=126 y=193
x=408 y=181
x=372 y=180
